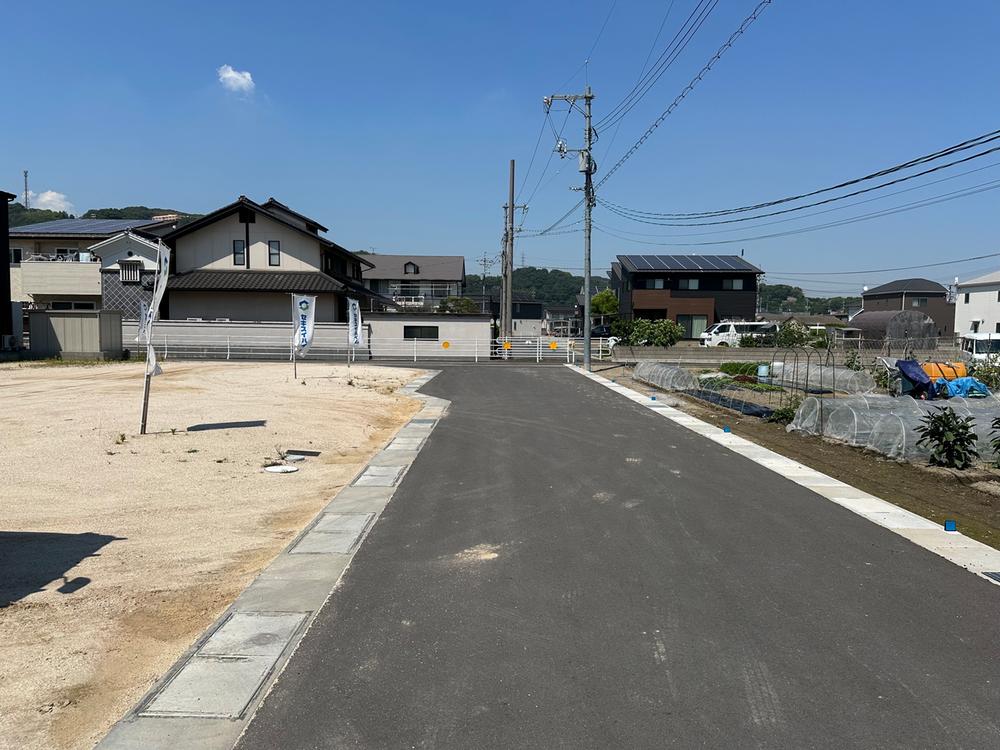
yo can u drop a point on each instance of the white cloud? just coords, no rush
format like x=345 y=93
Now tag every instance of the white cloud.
x=50 y=200
x=239 y=81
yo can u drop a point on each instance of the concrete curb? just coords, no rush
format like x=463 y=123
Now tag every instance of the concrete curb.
x=974 y=556
x=209 y=696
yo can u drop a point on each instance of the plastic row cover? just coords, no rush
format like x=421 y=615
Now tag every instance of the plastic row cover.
x=888 y=425
x=665 y=377
x=815 y=377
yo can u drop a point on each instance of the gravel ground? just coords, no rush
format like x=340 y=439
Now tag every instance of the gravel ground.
x=117 y=550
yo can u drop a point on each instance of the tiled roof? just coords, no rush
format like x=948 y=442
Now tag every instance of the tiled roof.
x=907 y=285
x=430 y=267
x=254 y=281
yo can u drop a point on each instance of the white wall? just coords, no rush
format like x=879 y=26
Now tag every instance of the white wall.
x=57 y=277
x=211 y=247
x=983 y=305
x=465 y=337
x=16 y=290
x=120 y=248
x=526 y=327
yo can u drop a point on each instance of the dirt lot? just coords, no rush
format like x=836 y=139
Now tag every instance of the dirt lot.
x=117 y=550
x=934 y=493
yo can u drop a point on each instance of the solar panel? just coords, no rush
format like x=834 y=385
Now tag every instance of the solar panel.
x=707 y=263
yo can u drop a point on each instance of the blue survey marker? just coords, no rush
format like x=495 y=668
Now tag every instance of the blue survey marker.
x=950 y=525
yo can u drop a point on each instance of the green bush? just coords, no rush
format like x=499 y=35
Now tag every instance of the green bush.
x=749 y=341
x=642 y=332
x=785 y=414
x=792 y=334
x=740 y=368
x=950 y=437
x=988 y=371
x=853 y=361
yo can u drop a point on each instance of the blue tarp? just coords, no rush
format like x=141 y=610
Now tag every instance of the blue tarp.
x=914 y=373
x=966 y=387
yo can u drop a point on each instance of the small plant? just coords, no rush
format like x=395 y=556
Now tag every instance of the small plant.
x=749 y=341
x=740 y=368
x=881 y=377
x=785 y=414
x=853 y=361
x=995 y=441
x=173 y=430
x=950 y=437
x=120 y=440
x=988 y=371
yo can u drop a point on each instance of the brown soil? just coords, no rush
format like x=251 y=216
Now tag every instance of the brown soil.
x=969 y=497
x=188 y=517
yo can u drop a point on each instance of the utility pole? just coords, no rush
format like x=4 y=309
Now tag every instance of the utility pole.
x=26 y=194
x=508 y=262
x=485 y=262
x=588 y=166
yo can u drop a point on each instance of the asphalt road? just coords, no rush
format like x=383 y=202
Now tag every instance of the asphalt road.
x=563 y=568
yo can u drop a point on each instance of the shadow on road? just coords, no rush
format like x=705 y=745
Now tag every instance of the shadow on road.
x=226 y=425
x=30 y=560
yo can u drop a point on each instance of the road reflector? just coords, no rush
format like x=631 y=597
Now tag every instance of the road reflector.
x=445 y=344
x=553 y=345
x=506 y=345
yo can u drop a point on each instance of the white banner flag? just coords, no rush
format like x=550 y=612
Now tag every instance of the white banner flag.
x=355 y=327
x=304 y=315
x=149 y=313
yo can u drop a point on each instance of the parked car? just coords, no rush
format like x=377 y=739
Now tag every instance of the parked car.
x=600 y=332
x=729 y=333
x=979 y=347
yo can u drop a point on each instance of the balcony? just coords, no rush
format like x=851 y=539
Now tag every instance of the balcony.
x=58 y=275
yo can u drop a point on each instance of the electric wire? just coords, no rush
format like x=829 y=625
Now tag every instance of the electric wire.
x=748 y=21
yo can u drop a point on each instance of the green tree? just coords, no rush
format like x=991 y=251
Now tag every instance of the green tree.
x=19 y=216
x=642 y=332
x=462 y=305
x=604 y=303
x=792 y=334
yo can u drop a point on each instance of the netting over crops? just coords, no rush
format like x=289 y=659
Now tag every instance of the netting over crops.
x=816 y=378
x=665 y=377
x=888 y=425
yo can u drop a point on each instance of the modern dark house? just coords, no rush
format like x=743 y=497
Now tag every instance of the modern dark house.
x=692 y=290
x=921 y=295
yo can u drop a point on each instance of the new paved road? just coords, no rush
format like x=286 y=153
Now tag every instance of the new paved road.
x=563 y=568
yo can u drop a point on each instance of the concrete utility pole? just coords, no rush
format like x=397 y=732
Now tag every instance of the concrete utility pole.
x=485 y=262
x=588 y=166
x=507 y=305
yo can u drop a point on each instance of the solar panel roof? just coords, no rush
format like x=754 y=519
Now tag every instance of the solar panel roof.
x=82 y=226
x=698 y=263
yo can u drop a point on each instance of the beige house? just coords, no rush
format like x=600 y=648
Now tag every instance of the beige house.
x=243 y=261
x=56 y=265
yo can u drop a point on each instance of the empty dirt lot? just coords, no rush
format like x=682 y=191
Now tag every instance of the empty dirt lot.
x=117 y=550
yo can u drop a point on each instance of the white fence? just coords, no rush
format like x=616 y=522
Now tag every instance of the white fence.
x=272 y=341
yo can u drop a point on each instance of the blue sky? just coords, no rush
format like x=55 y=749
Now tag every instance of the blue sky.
x=393 y=122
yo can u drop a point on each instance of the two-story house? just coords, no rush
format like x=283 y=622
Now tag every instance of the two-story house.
x=921 y=295
x=54 y=264
x=415 y=282
x=977 y=304
x=243 y=261
x=694 y=291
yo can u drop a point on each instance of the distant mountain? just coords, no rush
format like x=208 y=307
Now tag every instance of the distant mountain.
x=131 y=212
x=18 y=215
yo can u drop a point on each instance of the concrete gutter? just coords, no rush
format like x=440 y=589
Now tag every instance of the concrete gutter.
x=210 y=694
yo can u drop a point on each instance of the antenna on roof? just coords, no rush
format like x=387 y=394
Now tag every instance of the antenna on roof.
x=26 y=193
x=741 y=252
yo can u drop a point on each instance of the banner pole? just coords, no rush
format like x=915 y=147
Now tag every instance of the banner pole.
x=145 y=401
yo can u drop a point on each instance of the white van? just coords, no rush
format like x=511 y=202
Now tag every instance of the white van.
x=977 y=347
x=729 y=334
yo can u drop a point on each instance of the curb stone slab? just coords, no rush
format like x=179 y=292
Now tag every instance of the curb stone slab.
x=957 y=548
x=208 y=697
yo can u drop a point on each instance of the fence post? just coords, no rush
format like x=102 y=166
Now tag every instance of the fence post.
x=538 y=350
x=227 y=347
x=414 y=350
x=164 y=346
x=476 y=342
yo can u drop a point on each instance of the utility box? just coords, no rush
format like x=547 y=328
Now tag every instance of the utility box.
x=76 y=334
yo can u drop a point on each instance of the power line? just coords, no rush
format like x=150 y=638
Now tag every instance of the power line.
x=808 y=215
x=981 y=188
x=687 y=89
x=981 y=140
x=681 y=39
x=956 y=261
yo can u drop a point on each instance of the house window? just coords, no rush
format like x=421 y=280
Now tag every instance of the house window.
x=66 y=305
x=429 y=333
x=239 y=253
x=273 y=253
x=128 y=271
x=16 y=254
x=966 y=298
x=691 y=284
x=998 y=327
x=654 y=283
x=735 y=285
x=975 y=326
x=411 y=267
x=918 y=302
x=64 y=253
